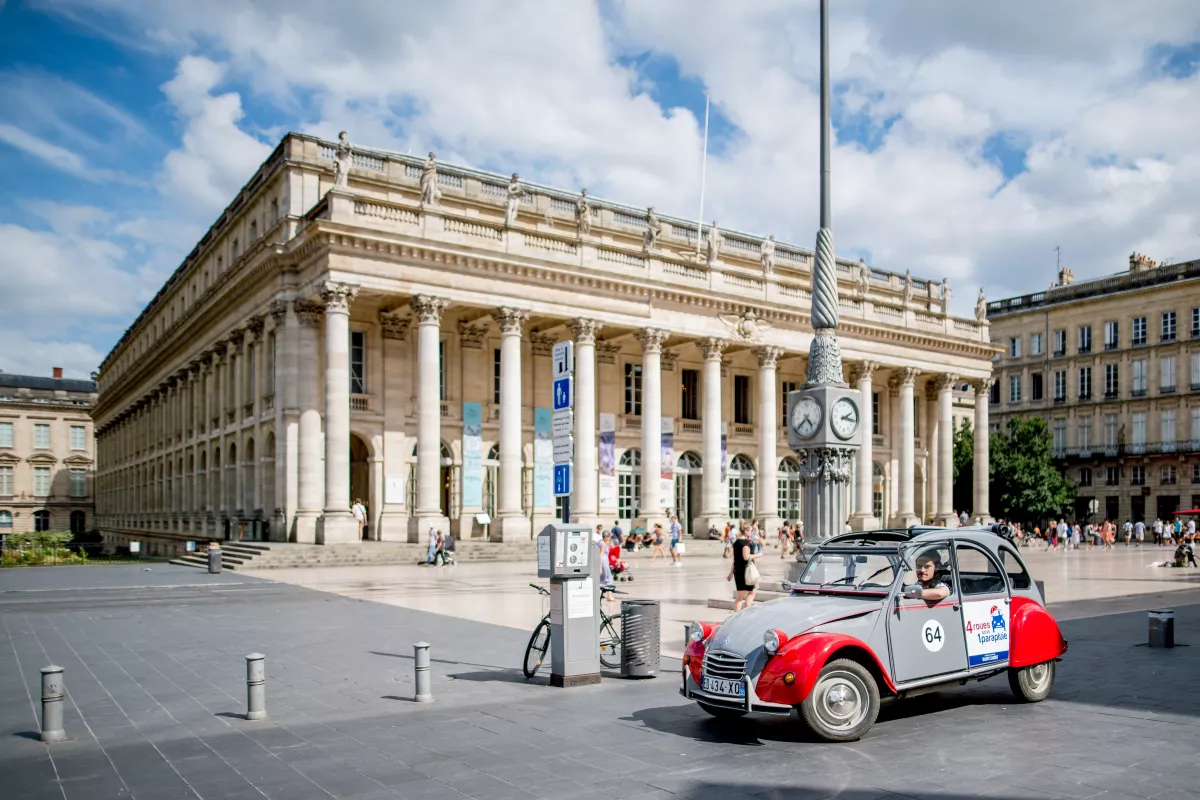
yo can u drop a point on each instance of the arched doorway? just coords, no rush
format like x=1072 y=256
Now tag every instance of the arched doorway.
x=789 y=490
x=491 y=485
x=360 y=478
x=741 y=488
x=688 y=470
x=447 y=484
x=41 y=520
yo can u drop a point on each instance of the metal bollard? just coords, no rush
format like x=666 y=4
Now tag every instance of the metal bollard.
x=52 y=704
x=256 y=686
x=1162 y=627
x=214 y=558
x=421 y=677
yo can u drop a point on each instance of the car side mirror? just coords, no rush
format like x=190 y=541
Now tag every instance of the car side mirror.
x=912 y=592
x=786 y=585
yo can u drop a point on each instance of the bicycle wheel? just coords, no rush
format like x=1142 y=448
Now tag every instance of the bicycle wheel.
x=535 y=652
x=610 y=644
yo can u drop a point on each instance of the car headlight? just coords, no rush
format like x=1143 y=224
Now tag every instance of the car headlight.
x=695 y=632
x=773 y=640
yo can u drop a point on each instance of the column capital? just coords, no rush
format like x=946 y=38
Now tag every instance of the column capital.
x=712 y=348
x=893 y=384
x=983 y=386
x=768 y=356
x=584 y=330
x=606 y=352
x=652 y=339
x=542 y=344
x=218 y=351
x=471 y=335
x=255 y=325
x=236 y=336
x=337 y=296
x=309 y=313
x=428 y=309
x=394 y=326
x=669 y=357
x=511 y=320
x=277 y=310
x=946 y=382
x=908 y=375
x=864 y=371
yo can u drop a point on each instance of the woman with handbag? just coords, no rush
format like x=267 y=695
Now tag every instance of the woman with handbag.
x=743 y=572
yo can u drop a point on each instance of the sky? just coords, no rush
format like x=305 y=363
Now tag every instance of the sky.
x=972 y=139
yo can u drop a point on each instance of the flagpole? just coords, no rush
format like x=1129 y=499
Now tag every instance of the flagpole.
x=703 y=175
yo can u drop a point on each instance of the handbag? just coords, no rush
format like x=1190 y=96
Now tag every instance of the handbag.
x=752 y=574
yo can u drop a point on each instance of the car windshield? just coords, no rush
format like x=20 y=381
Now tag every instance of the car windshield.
x=871 y=571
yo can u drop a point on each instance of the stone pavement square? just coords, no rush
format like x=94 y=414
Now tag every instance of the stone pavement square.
x=155 y=676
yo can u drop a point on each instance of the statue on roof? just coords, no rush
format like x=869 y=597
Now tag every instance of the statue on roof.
x=514 y=200
x=654 y=229
x=343 y=156
x=712 y=243
x=430 y=194
x=945 y=295
x=908 y=288
x=981 y=306
x=766 y=254
x=864 y=278
x=583 y=214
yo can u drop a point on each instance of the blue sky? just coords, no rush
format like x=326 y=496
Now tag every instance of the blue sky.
x=970 y=140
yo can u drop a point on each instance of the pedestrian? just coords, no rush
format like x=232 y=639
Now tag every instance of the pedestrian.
x=1158 y=532
x=1064 y=534
x=1139 y=532
x=1051 y=536
x=616 y=529
x=1127 y=529
x=603 y=545
x=744 y=580
x=656 y=540
x=677 y=548
x=360 y=515
x=433 y=543
x=1179 y=529
x=963 y=519
x=1191 y=529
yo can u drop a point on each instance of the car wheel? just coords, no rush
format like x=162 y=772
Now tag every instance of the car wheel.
x=721 y=712
x=1032 y=684
x=843 y=703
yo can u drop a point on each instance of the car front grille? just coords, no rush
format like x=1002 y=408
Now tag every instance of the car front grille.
x=724 y=665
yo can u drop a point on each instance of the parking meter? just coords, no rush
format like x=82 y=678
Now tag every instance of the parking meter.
x=568 y=557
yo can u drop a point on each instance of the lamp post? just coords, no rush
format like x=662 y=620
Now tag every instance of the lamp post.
x=824 y=416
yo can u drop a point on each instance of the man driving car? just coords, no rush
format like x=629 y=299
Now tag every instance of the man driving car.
x=929 y=585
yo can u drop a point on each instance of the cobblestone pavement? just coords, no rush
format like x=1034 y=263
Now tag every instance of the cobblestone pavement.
x=155 y=675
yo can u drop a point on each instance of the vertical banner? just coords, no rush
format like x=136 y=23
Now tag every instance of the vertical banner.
x=472 y=455
x=724 y=453
x=608 y=461
x=543 y=459
x=667 y=490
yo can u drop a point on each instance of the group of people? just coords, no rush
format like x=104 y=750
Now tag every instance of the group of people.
x=440 y=549
x=1063 y=536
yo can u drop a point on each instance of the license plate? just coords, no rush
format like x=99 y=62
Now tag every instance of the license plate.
x=723 y=686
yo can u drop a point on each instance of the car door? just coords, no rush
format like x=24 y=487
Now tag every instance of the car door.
x=985 y=605
x=926 y=637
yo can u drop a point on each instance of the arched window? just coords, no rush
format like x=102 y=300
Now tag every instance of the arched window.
x=788 y=490
x=741 y=488
x=689 y=461
x=5 y=520
x=41 y=520
x=877 y=491
x=629 y=484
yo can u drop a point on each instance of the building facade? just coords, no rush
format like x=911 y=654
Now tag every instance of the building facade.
x=362 y=324
x=1113 y=366
x=46 y=453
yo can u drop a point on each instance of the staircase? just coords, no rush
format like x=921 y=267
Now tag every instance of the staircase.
x=282 y=555
x=767 y=590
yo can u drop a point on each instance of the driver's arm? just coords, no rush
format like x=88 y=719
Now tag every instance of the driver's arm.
x=932 y=594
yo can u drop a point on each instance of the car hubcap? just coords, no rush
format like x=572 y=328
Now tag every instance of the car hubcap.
x=841 y=700
x=1037 y=676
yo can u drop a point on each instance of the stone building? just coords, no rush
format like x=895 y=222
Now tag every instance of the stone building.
x=363 y=324
x=46 y=453
x=1113 y=366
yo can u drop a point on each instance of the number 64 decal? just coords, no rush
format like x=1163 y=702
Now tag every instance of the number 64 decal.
x=932 y=636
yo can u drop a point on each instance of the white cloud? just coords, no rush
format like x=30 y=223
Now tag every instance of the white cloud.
x=22 y=354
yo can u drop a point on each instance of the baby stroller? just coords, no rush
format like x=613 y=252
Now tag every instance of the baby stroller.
x=445 y=553
x=620 y=569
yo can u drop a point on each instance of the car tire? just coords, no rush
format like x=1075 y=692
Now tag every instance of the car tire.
x=843 y=703
x=1032 y=684
x=721 y=712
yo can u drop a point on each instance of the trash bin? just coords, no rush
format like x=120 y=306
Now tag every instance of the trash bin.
x=1162 y=627
x=214 y=560
x=641 y=621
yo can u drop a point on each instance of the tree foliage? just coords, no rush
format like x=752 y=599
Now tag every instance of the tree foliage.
x=964 y=469
x=1026 y=484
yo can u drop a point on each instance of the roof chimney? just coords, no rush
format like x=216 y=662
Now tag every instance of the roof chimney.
x=58 y=373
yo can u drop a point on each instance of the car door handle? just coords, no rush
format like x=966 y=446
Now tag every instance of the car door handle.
x=954 y=607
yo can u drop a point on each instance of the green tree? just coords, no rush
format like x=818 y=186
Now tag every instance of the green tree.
x=1026 y=484
x=964 y=469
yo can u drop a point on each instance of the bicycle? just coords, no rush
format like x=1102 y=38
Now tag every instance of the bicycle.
x=539 y=642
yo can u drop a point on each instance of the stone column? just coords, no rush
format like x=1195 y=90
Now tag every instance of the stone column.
x=945 y=450
x=905 y=515
x=237 y=366
x=309 y=495
x=511 y=524
x=892 y=493
x=396 y=395
x=713 y=502
x=864 y=519
x=428 y=513
x=932 y=467
x=337 y=523
x=767 y=495
x=585 y=495
x=983 y=391
x=651 y=511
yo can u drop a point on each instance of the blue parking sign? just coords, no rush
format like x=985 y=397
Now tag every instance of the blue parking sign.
x=562 y=393
x=562 y=480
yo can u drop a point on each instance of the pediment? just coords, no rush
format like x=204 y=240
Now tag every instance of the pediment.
x=9 y=459
x=42 y=458
x=78 y=461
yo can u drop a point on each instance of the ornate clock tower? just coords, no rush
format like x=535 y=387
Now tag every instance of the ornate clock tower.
x=823 y=417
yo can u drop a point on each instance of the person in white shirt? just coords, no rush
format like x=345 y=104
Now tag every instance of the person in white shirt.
x=1063 y=533
x=1139 y=532
x=1127 y=529
x=1191 y=528
x=360 y=515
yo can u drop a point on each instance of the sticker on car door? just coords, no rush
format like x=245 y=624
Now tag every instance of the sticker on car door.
x=932 y=635
x=986 y=625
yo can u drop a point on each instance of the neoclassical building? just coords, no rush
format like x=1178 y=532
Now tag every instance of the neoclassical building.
x=363 y=324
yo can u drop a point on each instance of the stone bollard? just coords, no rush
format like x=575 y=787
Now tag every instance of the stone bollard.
x=421 y=677
x=52 y=704
x=214 y=558
x=256 y=686
x=1162 y=628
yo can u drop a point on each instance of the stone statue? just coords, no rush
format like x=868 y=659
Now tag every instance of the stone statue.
x=945 y=295
x=583 y=214
x=864 y=278
x=712 y=243
x=766 y=254
x=343 y=155
x=430 y=194
x=514 y=200
x=908 y=288
x=747 y=326
x=981 y=306
x=654 y=229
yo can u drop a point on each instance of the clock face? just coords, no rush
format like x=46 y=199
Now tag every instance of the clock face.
x=844 y=418
x=806 y=417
